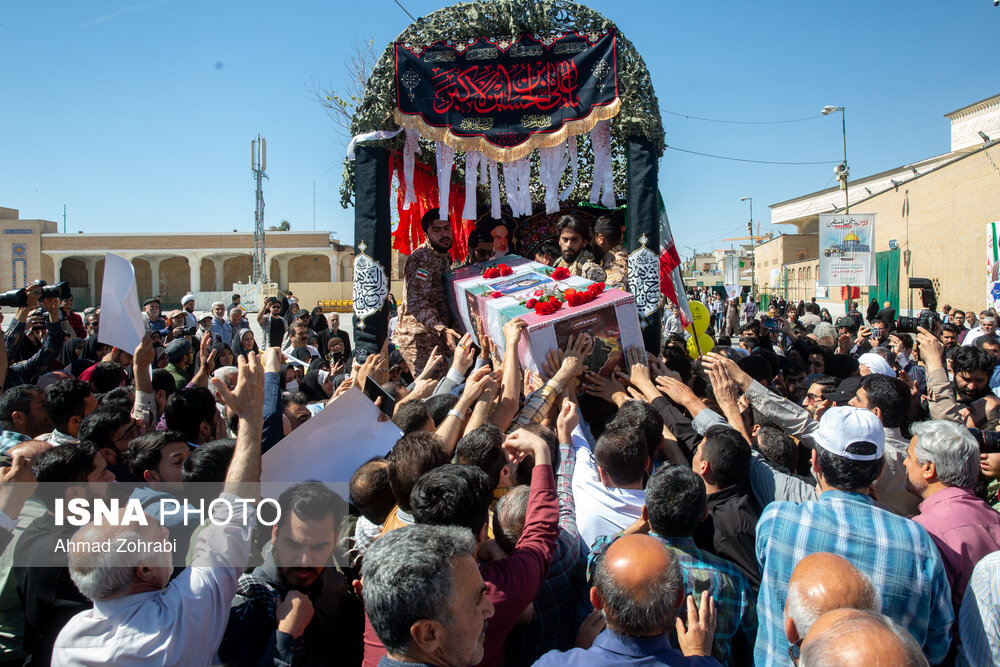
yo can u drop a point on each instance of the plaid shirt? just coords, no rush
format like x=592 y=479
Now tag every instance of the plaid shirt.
x=536 y=406
x=76 y=322
x=734 y=605
x=10 y=438
x=554 y=622
x=895 y=553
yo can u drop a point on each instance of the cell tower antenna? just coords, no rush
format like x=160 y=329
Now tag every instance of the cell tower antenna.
x=258 y=164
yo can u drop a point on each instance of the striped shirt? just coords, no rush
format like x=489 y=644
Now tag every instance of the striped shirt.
x=979 y=616
x=895 y=553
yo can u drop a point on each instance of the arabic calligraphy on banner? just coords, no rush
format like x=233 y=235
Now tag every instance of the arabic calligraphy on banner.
x=505 y=98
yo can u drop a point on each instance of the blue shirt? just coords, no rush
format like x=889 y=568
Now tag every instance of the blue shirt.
x=611 y=648
x=9 y=439
x=895 y=553
x=979 y=616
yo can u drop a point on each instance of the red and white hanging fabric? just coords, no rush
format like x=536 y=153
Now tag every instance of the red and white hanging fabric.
x=671 y=281
x=445 y=156
x=494 y=190
x=574 y=167
x=410 y=148
x=552 y=164
x=602 y=190
x=473 y=160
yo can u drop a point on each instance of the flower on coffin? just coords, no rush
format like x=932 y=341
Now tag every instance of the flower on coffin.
x=560 y=273
x=504 y=269
x=491 y=273
x=578 y=298
x=495 y=295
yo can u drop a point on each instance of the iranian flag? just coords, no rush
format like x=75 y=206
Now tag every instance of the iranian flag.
x=671 y=282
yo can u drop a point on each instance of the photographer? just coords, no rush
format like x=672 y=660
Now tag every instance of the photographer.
x=957 y=399
x=48 y=346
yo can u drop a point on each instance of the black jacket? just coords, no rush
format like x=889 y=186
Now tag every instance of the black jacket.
x=730 y=530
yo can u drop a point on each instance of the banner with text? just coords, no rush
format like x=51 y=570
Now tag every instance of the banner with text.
x=845 y=249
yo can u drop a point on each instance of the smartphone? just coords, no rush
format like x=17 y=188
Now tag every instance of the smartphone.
x=374 y=390
x=771 y=322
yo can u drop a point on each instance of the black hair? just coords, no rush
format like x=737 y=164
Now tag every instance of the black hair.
x=438 y=406
x=310 y=501
x=548 y=248
x=16 y=399
x=430 y=216
x=727 y=453
x=413 y=455
x=675 y=500
x=145 y=452
x=123 y=397
x=64 y=400
x=106 y=376
x=293 y=398
x=453 y=495
x=483 y=447
x=164 y=381
x=757 y=367
x=527 y=464
x=847 y=474
x=951 y=328
x=394 y=389
x=678 y=360
x=748 y=341
x=410 y=417
x=890 y=395
x=370 y=491
x=575 y=223
x=609 y=229
x=187 y=408
x=621 y=452
x=475 y=238
x=209 y=462
x=100 y=425
x=777 y=448
x=69 y=464
x=644 y=418
x=970 y=359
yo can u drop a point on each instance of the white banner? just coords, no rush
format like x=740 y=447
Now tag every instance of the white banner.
x=121 y=319
x=846 y=255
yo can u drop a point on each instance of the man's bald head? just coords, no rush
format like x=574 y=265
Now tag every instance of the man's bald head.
x=638 y=585
x=851 y=637
x=822 y=582
x=29 y=449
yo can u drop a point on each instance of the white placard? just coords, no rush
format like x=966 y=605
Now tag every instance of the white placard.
x=846 y=255
x=121 y=319
x=332 y=445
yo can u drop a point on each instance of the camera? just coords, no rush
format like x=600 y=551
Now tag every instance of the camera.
x=989 y=441
x=189 y=331
x=59 y=290
x=15 y=298
x=928 y=318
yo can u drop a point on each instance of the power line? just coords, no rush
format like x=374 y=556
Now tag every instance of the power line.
x=738 y=159
x=742 y=122
x=412 y=18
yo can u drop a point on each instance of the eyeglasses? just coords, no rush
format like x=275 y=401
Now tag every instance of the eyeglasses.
x=795 y=651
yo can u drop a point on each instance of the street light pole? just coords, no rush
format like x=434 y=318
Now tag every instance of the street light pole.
x=826 y=111
x=753 y=249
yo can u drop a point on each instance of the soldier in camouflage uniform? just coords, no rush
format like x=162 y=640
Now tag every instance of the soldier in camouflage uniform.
x=574 y=234
x=425 y=319
x=614 y=259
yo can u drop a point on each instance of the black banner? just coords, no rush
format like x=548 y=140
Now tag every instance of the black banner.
x=504 y=98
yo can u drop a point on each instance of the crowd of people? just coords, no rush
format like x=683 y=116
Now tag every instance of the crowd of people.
x=810 y=492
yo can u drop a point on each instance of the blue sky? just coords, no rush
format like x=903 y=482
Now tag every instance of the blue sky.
x=138 y=116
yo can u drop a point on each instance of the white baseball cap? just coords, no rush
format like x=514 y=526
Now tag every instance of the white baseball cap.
x=852 y=433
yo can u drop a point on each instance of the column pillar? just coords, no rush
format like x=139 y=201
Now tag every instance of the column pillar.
x=154 y=275
x=91 y=263
x=194 y=268
x=283 y=261
x=220 y=266
x=334 y=266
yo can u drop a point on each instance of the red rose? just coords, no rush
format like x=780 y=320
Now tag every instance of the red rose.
x=600 y=286
x=539 y=292
x=505 y=270
x=541 y=308
x=531 y=303
x=569 y=290
x=560 y=273
x=491 y=273
x=496 y=295
x=574 y=299
x=553 y=299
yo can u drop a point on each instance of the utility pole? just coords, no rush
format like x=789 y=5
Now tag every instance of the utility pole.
x=64 y=218
x=258 y=164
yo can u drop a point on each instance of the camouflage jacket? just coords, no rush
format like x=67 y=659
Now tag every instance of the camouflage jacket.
x=425 y=301
x=584 y=265
x=615 y=265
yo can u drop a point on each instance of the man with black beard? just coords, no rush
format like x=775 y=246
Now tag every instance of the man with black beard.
x=574 y=235
x=296 y=608
x=425 y=320
x=971 y=367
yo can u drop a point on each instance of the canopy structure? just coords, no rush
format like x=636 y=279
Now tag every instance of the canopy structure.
x=504 y=112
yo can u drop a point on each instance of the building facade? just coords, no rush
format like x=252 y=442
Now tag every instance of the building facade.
x=166 y=265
